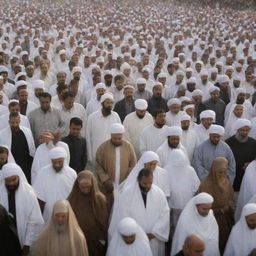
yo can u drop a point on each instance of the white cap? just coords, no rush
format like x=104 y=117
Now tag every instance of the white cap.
x=216 y=129
x=213 y=89
x=127 y=227
x=20 y=83
x=173 y=101
x=106 y=96
x=223 y=79
x=141 y=81
x=161 y=75
x=174 y=131
x=203 y=198
x=117 y=128
x=100 y=86
x=11 y=169
x=188 y=106
x=62 y=52
x=57 y=152
x=76 y=69
x=207 y=114
x=38 y=84
x=249 y=209
x=141 y=104
x=197 y=92
x=242 y=123
x=191 y=80
x=185 y=117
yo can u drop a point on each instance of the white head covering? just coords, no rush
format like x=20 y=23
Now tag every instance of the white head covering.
x=174 y=131
x=141 y=104
x=214 y=88
x=12 y=169
x=117 y=129
x=100 y=86
x=127 y=226
x=38 y=84
x=141 y=81
x=173 y=101
x=197 y=92
x=57 y=152
x=185 y=117
x=76 y=69
x=207 y=114
x=216 y=129
x=106 y=96
x=242 y=123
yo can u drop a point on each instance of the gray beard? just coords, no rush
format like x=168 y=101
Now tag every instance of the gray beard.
x=60 y=228
x=240 y=138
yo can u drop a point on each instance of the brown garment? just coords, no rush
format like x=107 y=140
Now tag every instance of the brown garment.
x=91 y=213
x=105 y=164
x=223 y=194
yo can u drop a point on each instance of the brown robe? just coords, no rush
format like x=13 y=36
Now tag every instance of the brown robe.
x=223 y=194
x=91 y=213
x=105 y=164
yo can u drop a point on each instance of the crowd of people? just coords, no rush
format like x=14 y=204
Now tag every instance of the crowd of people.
x=127 y=128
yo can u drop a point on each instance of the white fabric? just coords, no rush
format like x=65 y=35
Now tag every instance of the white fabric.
x=202 y=133
x=4 y=121
x=174 y=119
x=51 y=186
x=183 y=180
x=242 y=239
x=191 y=222
x=117 y=167
x=28 y=214
x=117 y=128
x=216 y=129
x=189 y=140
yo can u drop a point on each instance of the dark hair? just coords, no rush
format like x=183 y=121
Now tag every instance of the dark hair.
x=61 y=87
x=68 y=94
x=145 y=172
x=119 y=77
x=45 y=95
x=73 y=82
x=76 y=121
x=13 y=104
x=4 y=150
x=158 y=111
x=13 y=114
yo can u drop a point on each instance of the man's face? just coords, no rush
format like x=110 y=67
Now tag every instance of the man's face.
x=240 y=98
x=61 y=78
x=151 y=165
x=108 y=104
x=100 y=91
x=244 y=131
x=45 y=103
x=215 y=95
x=215 y=138
x=203 y=209
x=69 y=102
x=141 y=87
x=85 y=186
x=197 y=99
x=146 y=183
x=238 y=110
x=3 y=159
x=251 y=221
x=191 y=87
x=74 y=130
x=117 y=139
x=204 y=79
x=128 y=94
x=58 y=164
x=160 y=119
x=14 y=123
x=14 y=109
x=140 y=113
x=119 y=84
x=195 y=250
x=61 y=221
x=12 y=182
x=157 y=91
x=185 y=125
x=23 y=96
x=30 y=71
x=175 y=108
x=77 y=76
x=173 y=141
x=129 y=239
x=38 y=91
x=207 y=122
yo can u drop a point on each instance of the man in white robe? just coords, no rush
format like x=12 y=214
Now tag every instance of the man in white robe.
x=197 y=218
x=173 y=116
x=172 y=141
x=207 y=118
x=129 y=240
x=242 y=239
x=98 y=126
x=154 y=135
x=26 y=106
x=141 y=200
x=19 y=199
x=54 y=182
x=135 y=122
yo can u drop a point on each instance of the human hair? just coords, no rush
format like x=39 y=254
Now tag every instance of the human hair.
x=68 y=94
x=61 y=87
x=13 y=104
x=145 y=172
x=45 y=95
x=13 y=115
x=158 y=111
x=76 y=121
x=119 y=77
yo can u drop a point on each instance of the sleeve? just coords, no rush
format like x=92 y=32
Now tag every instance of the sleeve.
x=31 y=122
x=197 y=163
x=39 y=187
x=101 y=173
x=88 y=139
x=143 y=142
x=232 y=165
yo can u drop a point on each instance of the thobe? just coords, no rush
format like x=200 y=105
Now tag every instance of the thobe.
x=28 y=216
x=202 y=133
x=22 y=147
x=244 y=152
x=92 y=106
x=25 y=109
x=173 y=119
x=118 y=94
x=42 y=158
x=218 y=107
x=152 y=138
x=51 y=186
x=56 y=103
x=78 y=152
x=151 y=220
x=98 y=130
x=206 y=152
x=133 y=132
x=4 y=121
x=157 y=103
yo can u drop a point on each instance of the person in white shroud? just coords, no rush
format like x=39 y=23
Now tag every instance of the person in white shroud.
x=129 y=240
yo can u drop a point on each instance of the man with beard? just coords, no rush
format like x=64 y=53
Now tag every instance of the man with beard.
x=20 y=140
x=61 y=81
x=172 y=141
x=37 y=88
x=154 y=135
x=115 y=158
x=126 y=105
x=19 y=199
x=211 y=148
x=141 y=92
x=98 y=126
x=157 y=101
x=57 y=100
x=54 y=182
x=141 y=118
x=62 y=235
x=242 y=239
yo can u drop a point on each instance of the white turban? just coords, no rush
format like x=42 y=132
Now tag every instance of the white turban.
x=223 y=79
x=117 y=128
x=203 y=198
x=11 y=169
x=191 y=80
x=141 y=104
x=62 y=52
x=249 y=209
x=57 y=152
x=197 y=92
x=161 y=75
x=216 y=129
x=204 y=73
x=36 y=84
x=180 y=73
x=240 y=90
x=158 y=84
x=76 y=69
x=185 y=117
x=125 y=66
x=189 y=106
x=242 y=123
x=127 y=227
x=21 y=83
x=207 y=114
x=173 y=101
x=174 y=131
x=141 y=81
x=106 y=96
x=214 y=88
x=149 y=156
x=100 y=86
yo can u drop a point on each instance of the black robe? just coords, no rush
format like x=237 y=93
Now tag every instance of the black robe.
x=157 y=103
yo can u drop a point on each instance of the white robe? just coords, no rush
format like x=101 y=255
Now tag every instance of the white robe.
x=4 y=121
x=134 y=126
x=42 y=158
x=202 y=133
x=92 y=106
x=151 y=138
x=51 y=186
x=98 y=131
x=30 y=107
x=172 y=119
x=28 y=213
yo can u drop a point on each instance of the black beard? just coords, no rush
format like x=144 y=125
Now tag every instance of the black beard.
x=139 y=116
x=77 y=78
x=106 y=111
x=172 y=146
x=240 y=101
x=160 y=125
x=13 y=187
x=2 y=164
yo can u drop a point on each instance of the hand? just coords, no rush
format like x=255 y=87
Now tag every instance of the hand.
x=25 y=250
x=108 y=185
x=150 y=236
